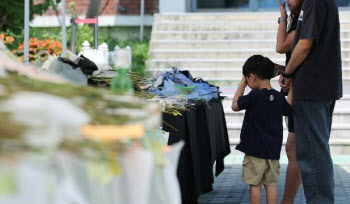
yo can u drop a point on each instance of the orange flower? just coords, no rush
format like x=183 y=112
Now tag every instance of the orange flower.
x=21 y=47
x=53 y=47
x=33 y=44
x=2 y=36
x=14 y=51
x=9 y=39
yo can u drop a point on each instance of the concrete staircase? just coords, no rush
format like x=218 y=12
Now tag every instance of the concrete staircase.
x=214 y=46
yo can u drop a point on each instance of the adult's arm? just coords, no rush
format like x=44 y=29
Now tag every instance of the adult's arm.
x=290 y=95
x=284 y=40
x=300 y=52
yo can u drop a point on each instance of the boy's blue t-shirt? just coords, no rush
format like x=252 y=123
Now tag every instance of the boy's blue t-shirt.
x=262 y=130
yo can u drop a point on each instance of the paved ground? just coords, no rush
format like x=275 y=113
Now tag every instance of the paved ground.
x=228 y=188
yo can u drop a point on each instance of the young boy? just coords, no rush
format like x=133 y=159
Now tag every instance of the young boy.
x=262 y=130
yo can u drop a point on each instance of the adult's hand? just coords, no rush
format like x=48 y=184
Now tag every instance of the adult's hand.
x=285 y=90
x=282 y=82
x=282 y=7
x=285 y=82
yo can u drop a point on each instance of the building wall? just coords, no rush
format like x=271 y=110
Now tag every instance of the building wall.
x=132 y=7
x=171 y=6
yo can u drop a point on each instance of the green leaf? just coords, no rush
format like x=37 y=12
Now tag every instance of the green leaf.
x=15 y=10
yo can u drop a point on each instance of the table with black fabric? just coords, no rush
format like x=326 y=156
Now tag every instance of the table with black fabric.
x=204 y=130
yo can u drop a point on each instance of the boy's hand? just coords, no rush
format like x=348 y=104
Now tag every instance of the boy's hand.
x=279 y=69
x=244 y=81
x=239 y=93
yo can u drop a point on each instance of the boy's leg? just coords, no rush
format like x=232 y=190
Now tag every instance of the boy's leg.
x=271 y=194
x=255 y=194
x=270 y=180
x=253 y=172
x=293 y=176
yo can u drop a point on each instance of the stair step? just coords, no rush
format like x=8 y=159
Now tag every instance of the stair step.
x=341 y=145
x=238 y=126
x=219 y=72
x=219 y=53
x=338 y=133
x=215 y=26
x=340 y=117
x=222 y=44
x=225 y=35
x=206 y=72
x=212 y=63
x=213 y=53
x=235 y=16
x=342 y=104
x=212 y=35
x=223 y=25
x=242 y=16
x=213 y=44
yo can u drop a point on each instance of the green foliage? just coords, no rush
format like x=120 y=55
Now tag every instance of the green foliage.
x=83 y=32
x=14 y=9
x=54 y=33
x=106 y=35
x=139 y=56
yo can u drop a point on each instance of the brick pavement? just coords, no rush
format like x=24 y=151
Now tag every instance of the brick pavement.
x=228 y=188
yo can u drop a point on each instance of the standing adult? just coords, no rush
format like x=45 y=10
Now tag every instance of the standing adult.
x=285 y=37
x=315 y=65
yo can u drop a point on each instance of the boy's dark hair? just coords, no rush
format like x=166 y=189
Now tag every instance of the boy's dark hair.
x=263 y=67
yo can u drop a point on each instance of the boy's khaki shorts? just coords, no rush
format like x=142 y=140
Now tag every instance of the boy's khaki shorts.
x=256 y=170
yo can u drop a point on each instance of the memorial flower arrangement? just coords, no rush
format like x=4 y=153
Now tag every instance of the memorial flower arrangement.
x=90 y=123
x=77 y=139
x=99 y=126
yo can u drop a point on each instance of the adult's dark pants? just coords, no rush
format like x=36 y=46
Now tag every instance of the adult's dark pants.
x=313 y=121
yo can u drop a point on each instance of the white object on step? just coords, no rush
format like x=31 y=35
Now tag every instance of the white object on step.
x=123 y=58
